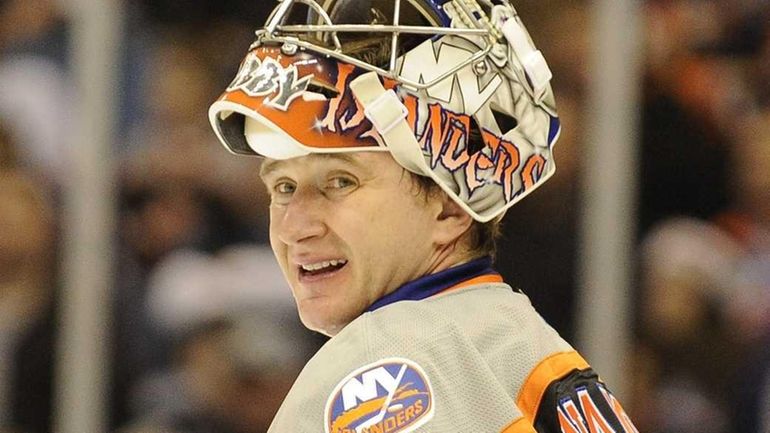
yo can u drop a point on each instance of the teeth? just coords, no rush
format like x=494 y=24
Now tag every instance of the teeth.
x=322 y=265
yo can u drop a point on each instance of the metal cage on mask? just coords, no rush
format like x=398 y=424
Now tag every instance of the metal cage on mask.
x=453 y=68
x=342 y=17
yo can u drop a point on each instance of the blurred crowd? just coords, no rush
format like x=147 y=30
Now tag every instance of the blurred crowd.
x=204 y=335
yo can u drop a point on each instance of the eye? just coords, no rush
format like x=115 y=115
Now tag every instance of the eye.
x=341 y=182
x=284 y=188
x=281 y=191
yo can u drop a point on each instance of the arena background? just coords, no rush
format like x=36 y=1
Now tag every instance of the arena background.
x=138 y=294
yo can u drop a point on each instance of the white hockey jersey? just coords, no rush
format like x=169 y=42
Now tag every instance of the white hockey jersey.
x=457 y=351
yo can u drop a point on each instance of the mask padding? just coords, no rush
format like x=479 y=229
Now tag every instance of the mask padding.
x=328 y=92
x=232 y=128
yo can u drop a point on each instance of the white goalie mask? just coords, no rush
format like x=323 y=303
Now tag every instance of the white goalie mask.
x=455 y=90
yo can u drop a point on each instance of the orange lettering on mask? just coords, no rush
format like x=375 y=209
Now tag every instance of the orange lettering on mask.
x=532 y=171
x=455 y=133
x=505 y=159
x=330 y=120
x=432 y=138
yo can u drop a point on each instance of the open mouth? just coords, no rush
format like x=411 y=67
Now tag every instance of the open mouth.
x=321 y=268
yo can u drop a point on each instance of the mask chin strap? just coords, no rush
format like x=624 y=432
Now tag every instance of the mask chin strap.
x=388 y=115
x=531 y=58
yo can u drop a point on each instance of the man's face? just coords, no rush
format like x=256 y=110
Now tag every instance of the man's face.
x=347 y=229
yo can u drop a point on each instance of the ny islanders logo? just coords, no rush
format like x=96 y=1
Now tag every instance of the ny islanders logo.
x=392 y=395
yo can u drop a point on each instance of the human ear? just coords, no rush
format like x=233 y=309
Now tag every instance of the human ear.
x=451 y=222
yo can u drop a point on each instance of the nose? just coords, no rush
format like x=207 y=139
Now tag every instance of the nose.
x=301 y=219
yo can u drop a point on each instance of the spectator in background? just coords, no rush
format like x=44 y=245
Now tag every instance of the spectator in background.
x=749 y=219
x=237 y=341
x=36 y=97
x=27 y=237
x=694 y=95
x=172 y=145
x=687 y=350
x=157 y=217
x=750 y=394
x=705 y=153
x=160 y=215
x=749 y=223
x=751 y=404
x=178 y=190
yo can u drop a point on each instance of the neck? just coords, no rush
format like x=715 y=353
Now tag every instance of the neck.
x=473 y=272
x=450 y=255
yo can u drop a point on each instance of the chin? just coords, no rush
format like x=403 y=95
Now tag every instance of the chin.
x=326 y=324
x=311 y=318
x=327 y=328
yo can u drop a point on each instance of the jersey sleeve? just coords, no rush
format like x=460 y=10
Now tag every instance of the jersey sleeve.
x=580 y=403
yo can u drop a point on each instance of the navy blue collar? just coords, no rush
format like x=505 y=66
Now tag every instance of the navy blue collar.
x=429 y=285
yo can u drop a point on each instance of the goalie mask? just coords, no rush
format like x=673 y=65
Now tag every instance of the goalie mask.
x=455 y=90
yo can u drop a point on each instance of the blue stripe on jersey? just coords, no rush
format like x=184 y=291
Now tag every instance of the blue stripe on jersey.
x=429 y=285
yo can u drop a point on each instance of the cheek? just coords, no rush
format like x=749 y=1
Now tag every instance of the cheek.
x=275 y=242
x=410 y=225
x=279 y=251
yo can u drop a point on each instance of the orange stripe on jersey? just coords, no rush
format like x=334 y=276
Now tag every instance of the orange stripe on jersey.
x=521 y=425
x=481 y=279
x=548 y=370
